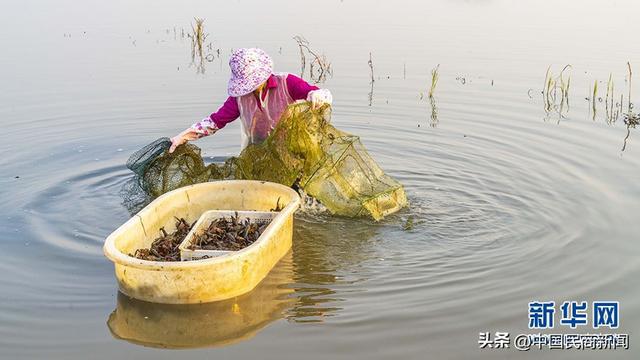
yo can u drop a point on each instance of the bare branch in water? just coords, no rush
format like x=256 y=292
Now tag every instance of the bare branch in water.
x=319 y=66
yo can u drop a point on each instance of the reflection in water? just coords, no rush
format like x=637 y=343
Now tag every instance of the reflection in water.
x=433 y=117
x=201 y=51
x=631 y=120
x=300 y=288
x=324 y=251
x=555 y=96
x=555 y=93
x=198 y=37
x=612 y=110
x=204 y=325
x=435 y=76
x=434 y=112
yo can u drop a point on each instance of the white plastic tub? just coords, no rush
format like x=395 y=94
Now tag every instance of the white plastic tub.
x=186 y=254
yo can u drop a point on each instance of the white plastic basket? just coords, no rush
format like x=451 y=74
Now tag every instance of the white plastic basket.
x=259 y=217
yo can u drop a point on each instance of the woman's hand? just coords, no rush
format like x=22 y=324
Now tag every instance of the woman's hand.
x=319 y=97
x=200 y=129
x=188 y=134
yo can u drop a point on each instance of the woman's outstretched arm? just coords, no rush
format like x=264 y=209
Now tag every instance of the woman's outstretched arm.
x=226 y=113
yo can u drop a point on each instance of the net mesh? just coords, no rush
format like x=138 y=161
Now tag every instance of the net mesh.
x=303 y=151
x=139 y=160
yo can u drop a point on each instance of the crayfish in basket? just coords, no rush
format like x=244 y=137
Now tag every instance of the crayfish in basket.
x=230 y=234
x=165 y=247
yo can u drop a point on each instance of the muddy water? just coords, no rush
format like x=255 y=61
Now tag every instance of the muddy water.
x=510 y=202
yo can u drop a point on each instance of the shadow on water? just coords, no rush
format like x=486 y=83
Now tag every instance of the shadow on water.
x=300 y=288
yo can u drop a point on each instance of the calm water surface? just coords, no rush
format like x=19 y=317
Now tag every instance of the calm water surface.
x=510 y=203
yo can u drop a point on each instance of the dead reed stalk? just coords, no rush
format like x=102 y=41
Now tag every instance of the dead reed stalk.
x=319 y=66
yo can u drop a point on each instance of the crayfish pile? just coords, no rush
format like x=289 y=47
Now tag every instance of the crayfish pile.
x=165 y=247
x=230 y=234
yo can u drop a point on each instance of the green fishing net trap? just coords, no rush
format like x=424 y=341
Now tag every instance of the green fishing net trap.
x=304 y=151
